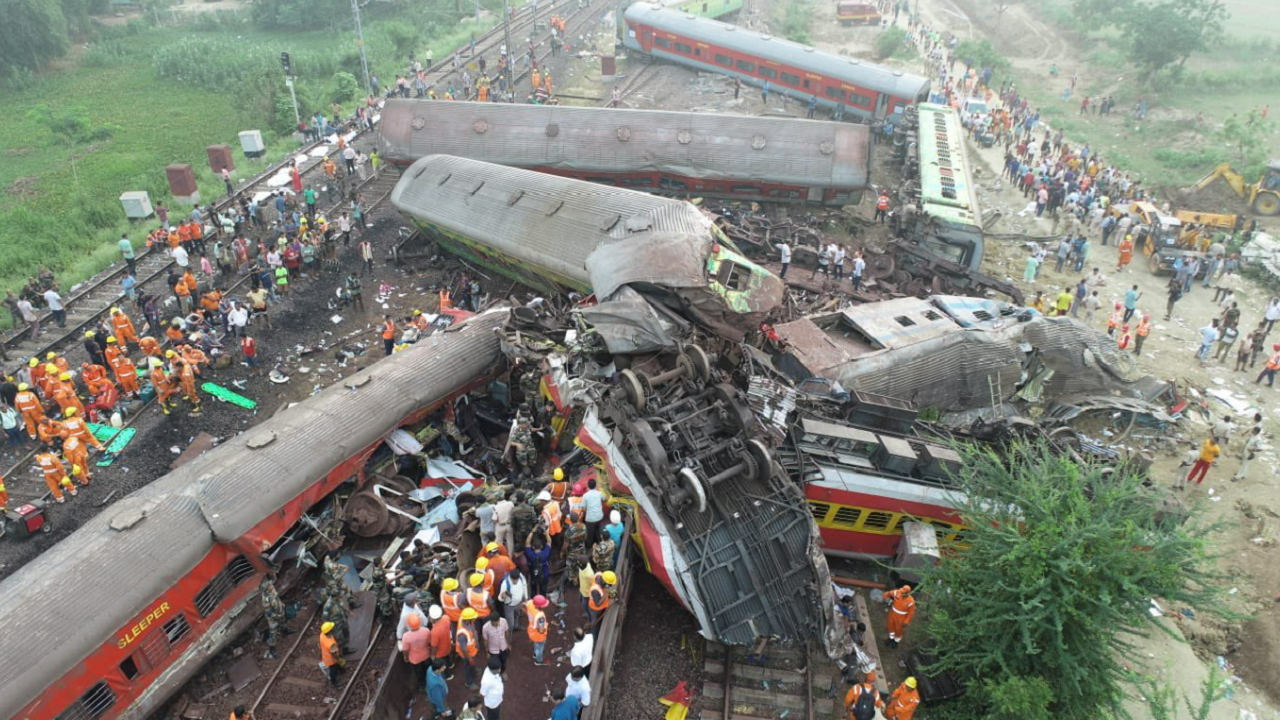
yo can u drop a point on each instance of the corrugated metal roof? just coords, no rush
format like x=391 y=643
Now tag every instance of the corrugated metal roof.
x=79 y=593
x=900 y=322
x=547 y=221
x=698 y=145
x=855 y=71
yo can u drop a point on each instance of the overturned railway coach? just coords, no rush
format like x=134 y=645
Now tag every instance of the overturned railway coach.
x=842 y=84
x=113 y=620
x=679 y=153
x=557 y=234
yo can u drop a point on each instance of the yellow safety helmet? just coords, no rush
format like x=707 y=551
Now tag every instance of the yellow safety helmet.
x=23 y=387
x=910 y=682
x=469 y=614
x=65 y=376
x=69 y=412
x=155 y=362
x=326 y=628
x=558 y=474
x=475 y=579
x=65 y=482
x=115 y=310
x=51 y=368
x=491 y=547
x=111 y=339
x=51 y=356
x=482 y=563
x=89 y=333
x=449 y=584
x=33 y=362
x=610 y=577
x=170 y=354
x=416 y=313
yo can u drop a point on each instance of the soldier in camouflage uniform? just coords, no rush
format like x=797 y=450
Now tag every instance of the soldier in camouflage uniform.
x=334 y=583
x=523 y=449
x=335 y=611
x=273 y=611
x=523 y=520
x=602 y=554
x=575 y=541
x=381 y=591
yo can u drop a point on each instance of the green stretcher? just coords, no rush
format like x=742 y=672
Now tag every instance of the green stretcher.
x=115 y=440
x=226 y=395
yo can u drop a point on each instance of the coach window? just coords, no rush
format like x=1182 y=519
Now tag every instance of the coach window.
x=212 y=595
x=768 y=72
x=669 y=184
x=92 y=705
x=662 y=42
x=745 y=66
x=792 y=80
x=859 y=99
x=724 y=60
x=134 y=666
x=836 y=93
x=685 y=49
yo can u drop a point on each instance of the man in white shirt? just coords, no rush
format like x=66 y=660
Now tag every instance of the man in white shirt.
x=502 y=528
x=54 y=301
x=577 y=685
x=784 y=252
x=491 y=688
x=584 y=645
x=593 y=511
x=513 y=594
x=859 y=267
x=180 y=257
x=410 y=607
x=837 y=261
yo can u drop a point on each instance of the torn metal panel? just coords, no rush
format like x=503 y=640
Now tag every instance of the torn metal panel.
x=900 y=322
x=629 y=324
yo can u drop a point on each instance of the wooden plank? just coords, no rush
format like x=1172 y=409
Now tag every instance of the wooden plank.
x=302 y=682
x=869 y=645
x=755 y=672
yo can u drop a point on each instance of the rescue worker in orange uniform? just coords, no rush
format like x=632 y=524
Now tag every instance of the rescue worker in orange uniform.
x=559 y=487
x=482 y=567
x=388 y=334
x=49 y=431
x=165 y=386
x=450 y=599
x=441 y=639
x=4 y=496
x=902 y=609
x=127 y=374
x=55 y=475
x=466 y=645
x=92 y=376
x=113 y=350
x=861 y=701
x=48 y=379
x=58 y=362
x=174 y=333
x=538 y=626
x=330 y=654
x=903 y=702
x=76 y=454
x=186 y=373
x=599 y=599
x=37 y=374
x=75 y=426
x=29 y=405
x=242 y=713
x=124 y=329
x=103 y=401
x=65 y=395
x=551 y=514
x=477 y=596
x=150 y=347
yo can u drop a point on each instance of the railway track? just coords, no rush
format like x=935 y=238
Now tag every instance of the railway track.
x=779 y=683
x=634 y=82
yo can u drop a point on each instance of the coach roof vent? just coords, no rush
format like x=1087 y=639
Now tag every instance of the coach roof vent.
x=260 y=439
x=130 y=511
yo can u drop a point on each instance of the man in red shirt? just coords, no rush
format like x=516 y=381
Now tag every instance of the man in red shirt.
x=416 y=646
x=441 y=639
x=249 y=348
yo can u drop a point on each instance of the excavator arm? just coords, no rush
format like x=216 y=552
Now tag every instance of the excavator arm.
x=1224 y=171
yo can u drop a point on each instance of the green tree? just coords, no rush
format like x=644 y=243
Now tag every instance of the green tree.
x=33 y=33
x=890 y=41
x=1063 y=559
x=345 y=88
x=72 y=127
x=1162 y=36
x=1247 y=136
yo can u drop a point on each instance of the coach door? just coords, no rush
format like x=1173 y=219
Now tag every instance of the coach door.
x=882 y=105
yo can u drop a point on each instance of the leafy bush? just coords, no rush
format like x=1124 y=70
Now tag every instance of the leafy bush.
x=345 y=87
x=890 y=42
x=983 y=54
x=402 y=37
x=1186 y=160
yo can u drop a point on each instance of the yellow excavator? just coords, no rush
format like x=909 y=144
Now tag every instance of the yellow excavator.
x=1263 y=196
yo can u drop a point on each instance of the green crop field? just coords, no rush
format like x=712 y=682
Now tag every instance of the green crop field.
x=166 y=93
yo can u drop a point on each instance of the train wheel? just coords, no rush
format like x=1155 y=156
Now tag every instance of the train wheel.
x=633 y=388
x=366 y=514
x=690 y=480
x=881 y=266
x=763 y=460
x=401 y=484
x=701 y=363
x=647 y=442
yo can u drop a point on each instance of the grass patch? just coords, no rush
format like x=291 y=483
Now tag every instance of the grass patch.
x=200 y=99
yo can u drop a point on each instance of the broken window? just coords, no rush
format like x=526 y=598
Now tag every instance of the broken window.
x=733 y=276
x=819 y=511
x=904 y=321
x=212 y=595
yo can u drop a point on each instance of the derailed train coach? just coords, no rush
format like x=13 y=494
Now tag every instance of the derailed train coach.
x=764 y=159
x=662 y=257
x=114 y=619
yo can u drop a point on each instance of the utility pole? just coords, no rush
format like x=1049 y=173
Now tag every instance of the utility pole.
x=364 y=61
x=288 y=81
x=511 y=56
